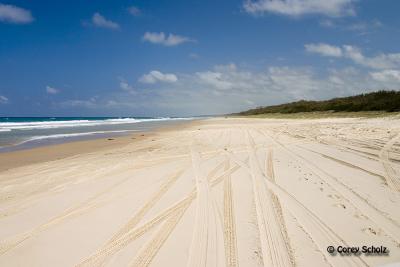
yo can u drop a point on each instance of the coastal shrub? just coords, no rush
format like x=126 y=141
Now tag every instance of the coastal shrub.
x=388 y=101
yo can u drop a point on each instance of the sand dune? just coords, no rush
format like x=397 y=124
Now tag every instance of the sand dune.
x=219 y=192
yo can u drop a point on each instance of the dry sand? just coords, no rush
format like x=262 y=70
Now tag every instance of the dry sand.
x=220 y=192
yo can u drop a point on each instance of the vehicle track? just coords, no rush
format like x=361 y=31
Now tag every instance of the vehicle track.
x=72 y=212
x=147 y=207
x=199 y=245
x=348 y=164
x=321 y=234
x=273 y=244
x=149 y=251
x=109 y=249
x=229 y=223
x=100 y=256
x=386 y=223
x=277 y=205
x=134 y=221
x=31 y=198
x=269 y=166
x=392 y=178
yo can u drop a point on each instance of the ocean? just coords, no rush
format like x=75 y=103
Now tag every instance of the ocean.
x=27 y=132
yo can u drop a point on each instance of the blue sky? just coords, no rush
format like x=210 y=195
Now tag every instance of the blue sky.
x=181 y=58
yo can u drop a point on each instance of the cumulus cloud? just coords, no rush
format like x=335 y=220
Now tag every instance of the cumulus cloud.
x=331 y=8
x=165 y=39
x=99 y=21
x=281 y=84
x=3 y=99
x=214 y=79
x=125 y=86
x=381 y=61
x=324 y=49
x=134 y=11
x=218 y=77
x=52 y=90
x=231 y=88
x=14 y=14
x=392 y=76
x=157 y=76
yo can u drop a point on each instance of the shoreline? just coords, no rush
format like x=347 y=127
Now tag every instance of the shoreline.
x=52 y=152
x=21 y=133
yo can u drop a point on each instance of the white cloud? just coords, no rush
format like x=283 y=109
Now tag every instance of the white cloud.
x=381 y=61
x=324 y=49
x=3 y=99
x=392 y=76
x=214 y=79
x=125 y=86
x=88 y=103
x=99 y=21
x=157 y=76
x=135 y=11
x=52 y=90
x=331 y=8
x=164 y=39
x=14 y=14
x=230 y=88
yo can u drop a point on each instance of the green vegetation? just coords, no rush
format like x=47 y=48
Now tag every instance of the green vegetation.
x=372 y=103
x=325 y=114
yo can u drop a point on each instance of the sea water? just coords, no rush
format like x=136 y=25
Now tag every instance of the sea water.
x=24 y=132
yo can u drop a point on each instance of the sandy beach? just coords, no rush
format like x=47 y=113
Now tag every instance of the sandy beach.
x=216 y=192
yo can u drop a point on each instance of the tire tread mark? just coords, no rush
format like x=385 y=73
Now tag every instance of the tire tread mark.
x=392 y=179
x=273 y=245
x=229 y=223
x=150 y=250
x=111 y=248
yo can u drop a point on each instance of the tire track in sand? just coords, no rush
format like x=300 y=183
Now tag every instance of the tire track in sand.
x=100 y=256
x=274 y=247
x=70 y=213
x=229 y=223
x=277 y=204
x=321 y=234
x=390 y=226
x=392 y=178
x=346 y=163
x=199 y=245
x=134 y=221
x=147 y=207
x=104 y=253
x=149 y=251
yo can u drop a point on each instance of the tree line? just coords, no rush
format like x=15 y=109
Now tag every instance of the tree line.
x=388 y=101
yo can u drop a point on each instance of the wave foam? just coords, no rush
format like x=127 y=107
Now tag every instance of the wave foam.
x=8 y=126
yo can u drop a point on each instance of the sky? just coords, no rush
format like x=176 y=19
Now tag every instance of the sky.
x=184 y=58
